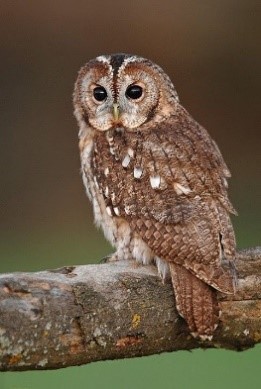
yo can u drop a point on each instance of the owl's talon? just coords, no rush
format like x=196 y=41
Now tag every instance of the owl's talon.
x=105 y=259
x=109 y=258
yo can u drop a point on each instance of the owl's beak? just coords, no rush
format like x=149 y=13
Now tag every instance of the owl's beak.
x=116 y=112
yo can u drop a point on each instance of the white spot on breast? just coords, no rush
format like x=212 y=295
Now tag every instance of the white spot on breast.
x=109 y=138
x=106 y=191
x=155 y=182
x=108 y=210
x=106 y=171
x=137 y=172
x=116 y=211
x=96 y=182
x=130 y=152
x=180 y=189
x=113 y=197
x=126 y=160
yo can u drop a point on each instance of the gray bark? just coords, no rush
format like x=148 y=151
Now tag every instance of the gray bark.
x=80 y=314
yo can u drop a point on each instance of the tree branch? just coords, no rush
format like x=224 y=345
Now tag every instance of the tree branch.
x=80 y=314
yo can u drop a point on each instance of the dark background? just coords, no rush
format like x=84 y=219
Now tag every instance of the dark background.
x=211 y=50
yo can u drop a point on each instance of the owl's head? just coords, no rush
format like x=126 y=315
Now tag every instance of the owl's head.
x=122 y=90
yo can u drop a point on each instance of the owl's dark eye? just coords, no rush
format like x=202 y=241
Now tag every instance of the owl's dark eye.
x=134 y=92
x=99 y=93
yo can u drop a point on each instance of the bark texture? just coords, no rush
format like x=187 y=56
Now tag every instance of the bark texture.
x=80 y=314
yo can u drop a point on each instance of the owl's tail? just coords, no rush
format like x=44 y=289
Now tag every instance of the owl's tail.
x=196 y=302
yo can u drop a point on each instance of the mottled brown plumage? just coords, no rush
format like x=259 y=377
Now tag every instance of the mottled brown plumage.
x=157 y=181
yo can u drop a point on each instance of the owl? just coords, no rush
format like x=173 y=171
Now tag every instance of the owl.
x=157 y=182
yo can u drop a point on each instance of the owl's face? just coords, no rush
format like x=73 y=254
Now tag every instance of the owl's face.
x=122 y=91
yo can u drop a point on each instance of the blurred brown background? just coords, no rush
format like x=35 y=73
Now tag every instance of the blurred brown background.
x=210 y=49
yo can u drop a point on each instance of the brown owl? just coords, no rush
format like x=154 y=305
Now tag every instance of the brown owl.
x=157 y=182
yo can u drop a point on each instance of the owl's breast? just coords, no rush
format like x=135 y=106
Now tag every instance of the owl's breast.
x=108 y=171
x=92 y=175
x=135 y=177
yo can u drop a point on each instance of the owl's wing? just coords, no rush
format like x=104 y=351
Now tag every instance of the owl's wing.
x=174 y=196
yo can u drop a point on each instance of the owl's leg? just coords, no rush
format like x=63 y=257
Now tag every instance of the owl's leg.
x=196 y=302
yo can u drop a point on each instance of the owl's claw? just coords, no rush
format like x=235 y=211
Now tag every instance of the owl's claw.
x=109 y=258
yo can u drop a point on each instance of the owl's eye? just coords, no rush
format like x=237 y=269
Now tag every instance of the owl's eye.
x=99 y=93
x=134 y=92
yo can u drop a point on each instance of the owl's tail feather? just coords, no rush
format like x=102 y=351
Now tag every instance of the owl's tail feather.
x=196 y=302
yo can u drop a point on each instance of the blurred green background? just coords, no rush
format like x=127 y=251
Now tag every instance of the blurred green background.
x=211 y=50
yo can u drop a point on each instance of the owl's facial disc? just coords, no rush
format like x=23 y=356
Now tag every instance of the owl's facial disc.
x=123 y=90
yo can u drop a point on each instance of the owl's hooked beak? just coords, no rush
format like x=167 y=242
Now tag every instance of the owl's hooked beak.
x=116 y=112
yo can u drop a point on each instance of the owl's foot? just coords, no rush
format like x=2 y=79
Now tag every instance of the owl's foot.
x=110 y=258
